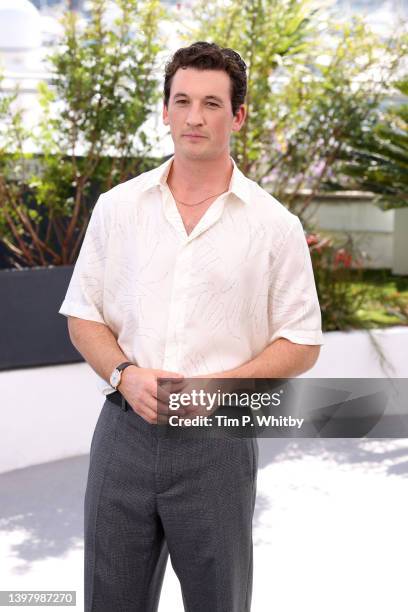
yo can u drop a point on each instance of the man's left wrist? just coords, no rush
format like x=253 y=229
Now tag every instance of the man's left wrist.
x=116 y=376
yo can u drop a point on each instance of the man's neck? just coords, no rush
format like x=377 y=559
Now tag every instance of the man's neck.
x=197 y=176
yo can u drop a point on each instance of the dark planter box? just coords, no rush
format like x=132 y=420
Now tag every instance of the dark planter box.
x=32 y=331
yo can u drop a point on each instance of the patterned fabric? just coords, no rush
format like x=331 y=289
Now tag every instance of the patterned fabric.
x=198 y=303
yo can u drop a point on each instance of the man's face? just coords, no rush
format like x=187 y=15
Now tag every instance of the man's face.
x=199 y=113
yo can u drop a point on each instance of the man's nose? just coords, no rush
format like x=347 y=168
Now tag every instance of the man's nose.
x=194 y=116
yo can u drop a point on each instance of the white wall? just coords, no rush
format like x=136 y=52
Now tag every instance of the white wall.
x=46 y=413
x=400 y=252
x=371 y=228
x=50 y=413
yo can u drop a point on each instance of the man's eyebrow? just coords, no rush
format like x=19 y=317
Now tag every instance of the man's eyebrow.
x=181 y=94
x=215 y=98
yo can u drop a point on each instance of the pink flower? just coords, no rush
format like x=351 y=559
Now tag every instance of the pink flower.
x=312 y=239
x=343 y=257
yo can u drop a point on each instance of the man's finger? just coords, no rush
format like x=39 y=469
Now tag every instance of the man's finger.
x=164 y=408
x=145 y=412
x=165 y=374
x=168 y=386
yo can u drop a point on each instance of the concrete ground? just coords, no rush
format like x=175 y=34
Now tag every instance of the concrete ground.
x=330 y=527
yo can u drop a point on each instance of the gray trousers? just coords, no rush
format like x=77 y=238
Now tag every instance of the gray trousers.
x=149 y=495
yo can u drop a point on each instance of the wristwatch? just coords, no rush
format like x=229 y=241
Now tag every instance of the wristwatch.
x=116 y=375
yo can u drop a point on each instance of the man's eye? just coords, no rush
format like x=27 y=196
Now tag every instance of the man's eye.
x=181 y=101
x=213 y=104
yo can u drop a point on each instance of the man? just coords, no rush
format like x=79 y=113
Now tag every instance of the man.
x=190 y=269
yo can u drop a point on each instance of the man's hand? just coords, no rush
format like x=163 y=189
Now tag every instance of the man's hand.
x=140 y=389
x=205 y=393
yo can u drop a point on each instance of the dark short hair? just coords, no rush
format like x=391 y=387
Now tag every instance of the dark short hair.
x=209 y=56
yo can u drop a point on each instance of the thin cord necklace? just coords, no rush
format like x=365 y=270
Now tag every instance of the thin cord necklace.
x=196 y=203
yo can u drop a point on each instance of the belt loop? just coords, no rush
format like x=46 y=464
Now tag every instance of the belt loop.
x=124 y=406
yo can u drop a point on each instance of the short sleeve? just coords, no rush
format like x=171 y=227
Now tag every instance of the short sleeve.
x=84 y=297
x=293 y=303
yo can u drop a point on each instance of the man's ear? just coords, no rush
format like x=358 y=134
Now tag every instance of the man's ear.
x=165 y=114
x=239 y=118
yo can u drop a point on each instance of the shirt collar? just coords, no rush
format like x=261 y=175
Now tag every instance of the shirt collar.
x=239 y=184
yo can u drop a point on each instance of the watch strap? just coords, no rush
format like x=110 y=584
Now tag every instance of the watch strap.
x=123 y=365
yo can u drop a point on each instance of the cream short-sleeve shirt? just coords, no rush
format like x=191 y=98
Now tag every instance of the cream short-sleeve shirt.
x=198 y=303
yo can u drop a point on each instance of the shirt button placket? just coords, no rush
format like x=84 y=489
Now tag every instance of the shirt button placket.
x=175 y=346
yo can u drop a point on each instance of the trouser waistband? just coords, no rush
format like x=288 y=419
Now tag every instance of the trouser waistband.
x=118 y=399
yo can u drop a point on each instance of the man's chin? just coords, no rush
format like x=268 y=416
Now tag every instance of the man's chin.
x=198 y=155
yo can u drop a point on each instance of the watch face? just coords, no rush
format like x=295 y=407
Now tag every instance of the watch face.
x=115 y=378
